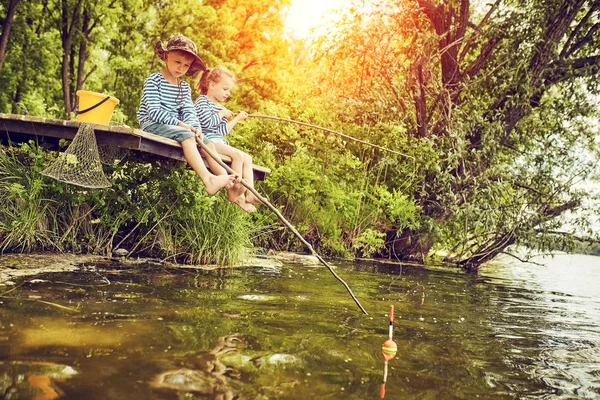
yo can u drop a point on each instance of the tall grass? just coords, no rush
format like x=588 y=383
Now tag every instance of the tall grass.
x=167 y=215
x=216 y=236
x=25 y=216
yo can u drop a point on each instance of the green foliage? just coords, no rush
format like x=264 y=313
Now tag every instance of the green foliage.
x=369 y=242
x=166 y=215
x=24 y=222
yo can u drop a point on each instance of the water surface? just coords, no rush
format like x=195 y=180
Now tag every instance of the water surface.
x=107 y=331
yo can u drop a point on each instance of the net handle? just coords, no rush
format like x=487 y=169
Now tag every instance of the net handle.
x=94 y=106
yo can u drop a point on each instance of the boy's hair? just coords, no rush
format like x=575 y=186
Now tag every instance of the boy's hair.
x=213 y=75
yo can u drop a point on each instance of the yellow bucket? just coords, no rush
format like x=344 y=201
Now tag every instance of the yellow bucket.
x=95 y=107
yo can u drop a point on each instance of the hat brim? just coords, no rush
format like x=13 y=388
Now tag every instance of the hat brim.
x=197 y=64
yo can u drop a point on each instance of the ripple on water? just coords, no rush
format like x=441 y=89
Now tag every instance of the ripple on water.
x=558 y=310
x=256 y=297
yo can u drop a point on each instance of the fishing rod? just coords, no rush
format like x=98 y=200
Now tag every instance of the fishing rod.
x=330 y=131
x=281 y=218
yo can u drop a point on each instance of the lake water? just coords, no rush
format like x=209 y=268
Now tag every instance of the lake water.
x=106 y=331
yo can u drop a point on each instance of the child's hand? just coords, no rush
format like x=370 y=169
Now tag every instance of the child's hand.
x=198 y=133
x=225 y=113
x=186 y=126
x=241 y=115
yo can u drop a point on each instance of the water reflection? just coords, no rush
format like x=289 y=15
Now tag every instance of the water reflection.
x=519 y=331
x=208 y=375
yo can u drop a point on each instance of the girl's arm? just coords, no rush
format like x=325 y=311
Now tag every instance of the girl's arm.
x=240 y=116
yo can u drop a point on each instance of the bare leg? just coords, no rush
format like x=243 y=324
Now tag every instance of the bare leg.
x=212 y=183
x=236 y=189
x=248 y=176
x=233 y=153
x=214 y=166
x=237 y=164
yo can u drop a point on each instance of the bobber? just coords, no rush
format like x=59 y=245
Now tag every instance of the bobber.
x=388 y=350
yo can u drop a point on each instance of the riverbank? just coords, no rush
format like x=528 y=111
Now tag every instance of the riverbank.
x=16 y=266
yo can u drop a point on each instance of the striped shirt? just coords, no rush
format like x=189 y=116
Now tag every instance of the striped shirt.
x=213 y=126
x=165 y=103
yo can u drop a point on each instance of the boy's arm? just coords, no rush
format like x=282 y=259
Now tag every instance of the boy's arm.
x=189 y=111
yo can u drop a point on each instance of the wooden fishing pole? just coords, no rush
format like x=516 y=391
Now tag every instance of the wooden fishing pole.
x=281 y=218
x=330 y=131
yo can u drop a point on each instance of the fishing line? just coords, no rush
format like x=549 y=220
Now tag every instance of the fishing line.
x=281 y=218
x=330 y=131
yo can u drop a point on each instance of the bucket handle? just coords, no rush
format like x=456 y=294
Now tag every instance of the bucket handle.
x=92 y=107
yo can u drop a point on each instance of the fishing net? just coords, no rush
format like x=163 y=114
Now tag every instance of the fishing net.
x=80 y=164
x=111 y=154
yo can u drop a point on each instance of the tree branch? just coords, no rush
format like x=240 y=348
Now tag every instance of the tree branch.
x=565 y=51
x=463 y=20
x=483 y=56
x=563 y=69
x=477 y=29
x=589 y=37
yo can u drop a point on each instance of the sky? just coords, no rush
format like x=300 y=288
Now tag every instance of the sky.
x=306 y=14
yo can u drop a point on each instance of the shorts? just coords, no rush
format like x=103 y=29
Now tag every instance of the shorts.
x=170 y=131
x=217 y=139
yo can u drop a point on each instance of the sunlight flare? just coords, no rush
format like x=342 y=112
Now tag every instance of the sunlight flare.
x=305 y=15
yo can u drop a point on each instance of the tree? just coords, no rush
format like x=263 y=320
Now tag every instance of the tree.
x=500 y=96
x=6 y=27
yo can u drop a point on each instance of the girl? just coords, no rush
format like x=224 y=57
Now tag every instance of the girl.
x=217 y=121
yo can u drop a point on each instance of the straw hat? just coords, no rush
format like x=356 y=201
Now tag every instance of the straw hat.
x=179 y=42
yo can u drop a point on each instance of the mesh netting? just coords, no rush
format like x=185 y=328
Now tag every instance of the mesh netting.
x=111 y=154
x=80 y=163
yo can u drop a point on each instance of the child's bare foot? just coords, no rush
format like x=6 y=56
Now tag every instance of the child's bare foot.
x=241 y=202
x=214 y=183
x=235 y=190
x=251 y=198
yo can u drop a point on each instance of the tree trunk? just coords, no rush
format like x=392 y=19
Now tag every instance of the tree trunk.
x=6 y=27
x=67 y=27
x=85 y=30
x=500 y=243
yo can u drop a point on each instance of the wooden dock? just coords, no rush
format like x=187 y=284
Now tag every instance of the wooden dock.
x=22 y=128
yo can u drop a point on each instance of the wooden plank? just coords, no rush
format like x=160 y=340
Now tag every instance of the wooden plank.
x=21 y=128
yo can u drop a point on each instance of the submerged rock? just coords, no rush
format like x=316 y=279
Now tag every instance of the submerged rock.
x=296 y=258
x=210 y=377
x=278 y=360
x=120 y=252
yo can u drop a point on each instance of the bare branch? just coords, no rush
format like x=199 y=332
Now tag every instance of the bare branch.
x=522 y=260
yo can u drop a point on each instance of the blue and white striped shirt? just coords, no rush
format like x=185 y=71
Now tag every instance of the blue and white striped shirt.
x=165 y=103
x=213 y=126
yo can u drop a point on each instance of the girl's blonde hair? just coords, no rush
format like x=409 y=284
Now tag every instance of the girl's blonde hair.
x=213 y=75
